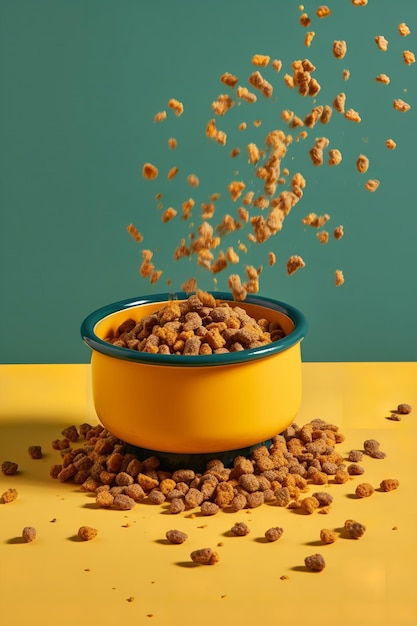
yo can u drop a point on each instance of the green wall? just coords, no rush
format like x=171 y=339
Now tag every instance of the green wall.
x=80 y=82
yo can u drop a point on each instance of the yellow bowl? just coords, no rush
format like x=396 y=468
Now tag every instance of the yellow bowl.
x=195 y=404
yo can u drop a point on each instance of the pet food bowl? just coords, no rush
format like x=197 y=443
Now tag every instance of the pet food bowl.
x=195 y=405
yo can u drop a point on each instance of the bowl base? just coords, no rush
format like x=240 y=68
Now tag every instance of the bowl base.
x=170 y=461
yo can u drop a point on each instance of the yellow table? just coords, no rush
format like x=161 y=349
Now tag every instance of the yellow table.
x=58 y=580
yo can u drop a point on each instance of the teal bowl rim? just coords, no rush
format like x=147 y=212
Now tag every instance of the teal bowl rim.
x=99 y=345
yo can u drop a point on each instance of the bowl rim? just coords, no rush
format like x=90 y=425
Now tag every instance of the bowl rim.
x=99 y=345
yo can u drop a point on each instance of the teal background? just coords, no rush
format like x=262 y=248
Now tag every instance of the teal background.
x=80 y=82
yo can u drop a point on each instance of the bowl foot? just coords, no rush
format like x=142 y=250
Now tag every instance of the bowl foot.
x=170 y=461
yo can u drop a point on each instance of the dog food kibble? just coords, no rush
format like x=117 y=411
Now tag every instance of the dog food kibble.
x=274 y=533
x=339 y=278
x=35 y=452
x=315 y=562
x=404 y=409
x=401 y=105
x=381 y=42
x=355 y=530
x=389 y=484
x=28 y=534
x=176 y=536
x=199 y=325
x=372 y=185
x=204 y=556
x=364 y=490
x=371 y=447
x=339 y=49
x=294 y=263
x=240 y=529
x=403 y=29
x=9 y=495
x=327 y=536
x=86 y=533
x=409 y=57
x=9 y=468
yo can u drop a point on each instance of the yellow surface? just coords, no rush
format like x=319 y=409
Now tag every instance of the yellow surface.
x=58 y=580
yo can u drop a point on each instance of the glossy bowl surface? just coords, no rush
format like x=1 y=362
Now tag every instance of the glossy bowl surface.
x=195 y=404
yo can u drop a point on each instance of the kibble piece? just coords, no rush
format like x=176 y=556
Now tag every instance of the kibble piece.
x=176 y=536
x=324 y=498
x=383 y=78
x=372 y=185
x=355 y=456
x=209 y=508
x=389 y=484
x=327 y=536
x=354 y=529
x=205 y=556
x=149 y=171
x=310 y=504
x=294 y=263
x=35 y=452
x=9 y=468
x=339 y=278
x=29 y=534
x=403 y=29
x=274 y=533
x=122 y=502
x=86 y=533
x=409 y=57
x=371 y=447
x=176 y=106
x=315 y=562
x=104 y=499
x=381 y=42
x=323 y=11
x=240 y=529
x=9 y=495
x=401 y=105
x=364 y=490
x=71 y=433
x=339 y=49
x=404 y=409
x=355 y=470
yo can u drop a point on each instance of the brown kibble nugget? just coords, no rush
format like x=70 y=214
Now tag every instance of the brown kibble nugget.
x=315 y=562
x=371 y=447
x=381 y=42
x=261 y=60
x=339 y=49
x=403 y=29
x=355 y=530
x=364 y=490
x=149 y=171
x=400 y=105
x=327 y=536
x=404 y=409
x=176 y=536
x=274 y=533
x=339 y=278
x=309 y=38
x=29 y=534
x=236 y=188
x=205 y=556
x=383 y=78
x=323 y=11
x=353 y=116
x=35 y=452
x=389 y=484
x=309 y=504
x=176 y=106
x=9 y=468
x=133 y=231
x=335 y=157
x=305 y=20
x=240 y=529
x=390 y=144
x=229 y=79
x=9 y=495
x=159 y=117
x=86 y=533
x=294 y=263
x=338 y=232
x=409 y=57
x=372 y=185
x=359 y=3
x=168 y=215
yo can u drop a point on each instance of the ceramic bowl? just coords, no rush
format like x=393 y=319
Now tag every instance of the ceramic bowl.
x=195 y=404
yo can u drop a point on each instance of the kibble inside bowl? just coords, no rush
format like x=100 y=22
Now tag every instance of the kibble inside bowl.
x=186 y=403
